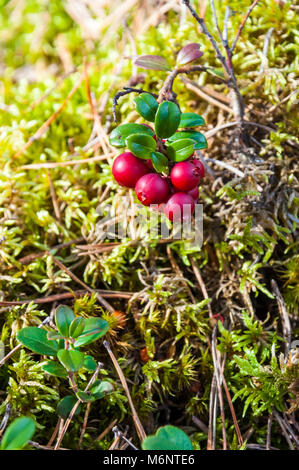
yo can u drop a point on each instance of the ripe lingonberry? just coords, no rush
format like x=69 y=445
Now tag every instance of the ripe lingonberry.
x=127 y=169
x=194 y=193
x=152 y=189
x=179 y=206
x=185 y=176
x=200 y=166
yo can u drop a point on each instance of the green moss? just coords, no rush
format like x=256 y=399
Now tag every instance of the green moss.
x=250 y=223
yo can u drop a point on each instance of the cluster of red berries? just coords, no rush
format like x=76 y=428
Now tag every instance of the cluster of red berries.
x=167 y=193
x=170 y=194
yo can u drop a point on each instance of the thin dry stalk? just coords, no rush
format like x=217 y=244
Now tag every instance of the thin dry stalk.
x=5 y=419
x=49 y=165
x=76 y=279
x=237 y=102
x=193 y=86
x=87 y=411
x=232 y=409
x=217 y=368
x=137 y=422
x=75 y=407
x=54 y=197
x=67 y=295
x=55 y=432
x=178 y=271
x=200 y=424
x=212 y=415
x=283 y=429
x=201 y=284
x=241 y=27
x=285 y=320
x=105 y=432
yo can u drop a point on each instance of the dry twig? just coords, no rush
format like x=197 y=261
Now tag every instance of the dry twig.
x=137 y=422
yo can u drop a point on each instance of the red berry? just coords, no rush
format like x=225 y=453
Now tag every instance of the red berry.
x=179 y=206
x=152 y=189
x=127 y=169
x=185 y=176
x=143 y=354
x=199 y=165
x=194 y=193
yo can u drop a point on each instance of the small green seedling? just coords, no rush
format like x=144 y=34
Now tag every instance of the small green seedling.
x=62 y=345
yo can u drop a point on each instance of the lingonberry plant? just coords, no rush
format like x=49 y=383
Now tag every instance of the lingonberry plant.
x=161 y=164
x=63 y=342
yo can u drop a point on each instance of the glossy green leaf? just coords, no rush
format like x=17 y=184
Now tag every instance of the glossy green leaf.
x=53 y=335
x=36 y=339
x=141 y=145
x=71 y=360
x=168 y=438
x=160 y=163
x=85 y=397
x=191 y=120
x=101 y=388
x=180 y=150
x=56 y=369
x=18 y=433
x=198 y=137
x=76 y=327
x=119 y=135
x=94 y=329
x=146 y=106
x=64 y=316
x=167 y=119
x=89 y=363
x=66 y=405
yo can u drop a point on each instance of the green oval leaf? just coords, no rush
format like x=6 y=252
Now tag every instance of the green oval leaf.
x=167 y=119
x=180 y=150
x=85 y=397
x=146 y=106
x=66 y=405
x=160 y=163
x=141 y=145
x=89 y=363
x=168 y=438
x=71 y=360
x=191 y=120
x=76 y=327
x=152 y=62
x=94 y=328
x=119 y=135
x=18 y=433
x=54 y=368
x=64 y=316
x=198 y=137
x=36 y=339
x=53 y=335
x=100 y=389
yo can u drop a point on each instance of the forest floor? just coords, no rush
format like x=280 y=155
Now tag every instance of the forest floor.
x=205 y=337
